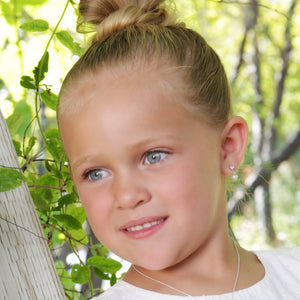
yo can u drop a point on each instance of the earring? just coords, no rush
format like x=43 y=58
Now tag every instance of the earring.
x=234 y=175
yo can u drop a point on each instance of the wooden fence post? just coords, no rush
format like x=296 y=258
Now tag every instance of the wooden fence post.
x=27 y=269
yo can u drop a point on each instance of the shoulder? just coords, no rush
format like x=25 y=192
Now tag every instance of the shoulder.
x=280 y=257
x=282 y=272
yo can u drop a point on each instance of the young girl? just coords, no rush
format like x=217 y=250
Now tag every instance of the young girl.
x=145 y=118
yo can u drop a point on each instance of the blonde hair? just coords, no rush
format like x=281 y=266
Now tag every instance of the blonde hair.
x=140 y=32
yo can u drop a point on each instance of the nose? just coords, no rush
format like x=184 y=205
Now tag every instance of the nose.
x=130 y=191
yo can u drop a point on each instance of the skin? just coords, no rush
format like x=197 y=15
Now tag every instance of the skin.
x=138 y=156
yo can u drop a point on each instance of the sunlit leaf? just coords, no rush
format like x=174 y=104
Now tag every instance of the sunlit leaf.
x=77 y=212
x=106 y=265
x=13 y=122
x=34 y=2
x=54 y=145
x=49 y=99
x=79 y=235
x=23 y=111
x=27 y=82
x=35 y=25
x=30 y=144
x=80 y=274
x=8 y=12
x=66 y=39
x=10 y=179
x=41 y=69
x=17 y=146
x=67 y=199
x=69 y=221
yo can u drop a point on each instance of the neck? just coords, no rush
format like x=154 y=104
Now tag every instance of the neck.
x=209 y=270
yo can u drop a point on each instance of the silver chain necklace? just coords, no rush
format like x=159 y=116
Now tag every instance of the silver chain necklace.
x=186 y=294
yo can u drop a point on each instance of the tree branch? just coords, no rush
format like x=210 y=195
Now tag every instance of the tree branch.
x=243 y=195
x=285 y=56
x=271 y=130
x=250 y=20
x=249 y=3
x=241 y=59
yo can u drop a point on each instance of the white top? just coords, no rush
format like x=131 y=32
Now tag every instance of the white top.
x=281 y=282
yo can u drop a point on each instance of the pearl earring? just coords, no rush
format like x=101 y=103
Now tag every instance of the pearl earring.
x=234 y=175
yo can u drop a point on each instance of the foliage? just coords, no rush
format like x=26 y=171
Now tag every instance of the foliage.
x=40 y=48
x=41 y=154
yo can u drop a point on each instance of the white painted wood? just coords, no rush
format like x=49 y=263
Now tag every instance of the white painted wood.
x=27 y=270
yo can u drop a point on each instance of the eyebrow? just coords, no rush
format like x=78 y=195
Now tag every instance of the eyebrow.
x=130 y=147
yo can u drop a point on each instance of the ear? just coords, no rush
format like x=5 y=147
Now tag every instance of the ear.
x=234 y=142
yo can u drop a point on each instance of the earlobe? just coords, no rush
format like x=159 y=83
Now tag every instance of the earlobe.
x=234 y=143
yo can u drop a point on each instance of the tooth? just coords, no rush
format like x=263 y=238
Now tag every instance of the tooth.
x=145 y=225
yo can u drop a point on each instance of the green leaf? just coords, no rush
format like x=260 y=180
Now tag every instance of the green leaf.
x=17 y=146
x=41 y=69
x=104 y=264
x=14 y=122
x=47 y=194
x=54 y=145
x=37 y=25
x=40 y=203
x=34 y=2
x=27 y=82
x=30 y=145
x=22 y=111
x=49 y=99
x=80 y=274
x=52 y=133
x=66 y=39
x=8 y=12
x=10 y=179
x=67 y=199
x=77 y=212
x=113 y=279
x=69 y=221
x=79 y=235
x=101 y=274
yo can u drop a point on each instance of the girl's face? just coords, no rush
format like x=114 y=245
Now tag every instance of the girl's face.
x=147 y=171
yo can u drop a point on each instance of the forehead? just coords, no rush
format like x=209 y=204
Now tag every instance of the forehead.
x=115 y=90
x=82 y=87
x=124 y=108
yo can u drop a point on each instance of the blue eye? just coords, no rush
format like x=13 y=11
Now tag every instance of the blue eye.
x=155 y=157
x=96 y=174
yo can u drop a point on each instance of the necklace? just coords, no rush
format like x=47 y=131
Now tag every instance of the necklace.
x=186 y=294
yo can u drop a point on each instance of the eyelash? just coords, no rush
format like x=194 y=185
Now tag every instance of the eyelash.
x=86 y=175
x=153 y=152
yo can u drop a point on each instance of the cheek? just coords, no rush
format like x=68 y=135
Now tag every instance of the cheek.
x=189 y=187
x=96 y=206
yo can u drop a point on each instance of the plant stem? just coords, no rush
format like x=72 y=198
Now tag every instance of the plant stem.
x=37 y=94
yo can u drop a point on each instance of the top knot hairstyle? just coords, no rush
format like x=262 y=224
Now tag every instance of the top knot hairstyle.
x=141 y=33
x=113 y=16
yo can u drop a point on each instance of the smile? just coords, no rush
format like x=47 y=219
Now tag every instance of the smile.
x=145 y=225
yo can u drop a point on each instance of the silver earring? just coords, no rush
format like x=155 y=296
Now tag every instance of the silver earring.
x=232 y=169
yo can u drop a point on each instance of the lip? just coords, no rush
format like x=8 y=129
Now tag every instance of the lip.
x=143 y=232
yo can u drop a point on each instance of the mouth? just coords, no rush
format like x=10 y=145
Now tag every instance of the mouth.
x=143 y=227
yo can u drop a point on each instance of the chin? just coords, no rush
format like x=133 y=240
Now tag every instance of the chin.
x=155 y=264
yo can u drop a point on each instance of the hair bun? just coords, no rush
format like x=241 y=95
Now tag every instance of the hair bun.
x=109 y=16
